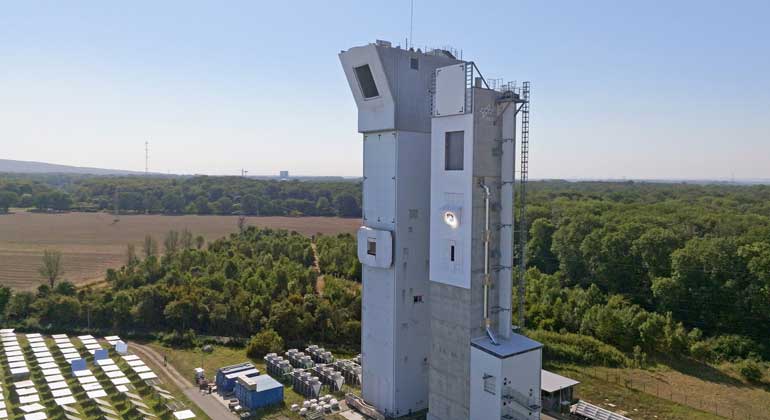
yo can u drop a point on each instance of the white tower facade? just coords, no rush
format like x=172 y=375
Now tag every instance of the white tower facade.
x=391 y=88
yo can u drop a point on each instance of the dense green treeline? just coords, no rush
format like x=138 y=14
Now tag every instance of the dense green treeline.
x=181 y=195
x=672 y=269
x=237 y=286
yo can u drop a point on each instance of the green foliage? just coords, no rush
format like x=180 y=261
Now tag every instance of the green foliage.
x=7 y=199
x=264 y=342
x=750 y=370
x=235 y=287
x=577 y=348
x=187 y=339
x=178 y=195
x=725 y=348
x=337 y=255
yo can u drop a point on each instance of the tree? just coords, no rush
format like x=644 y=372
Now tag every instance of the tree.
x=539 y=252
x=224 y=205
x=131 y=257
x=202 y=205
x=199 y=242
x=51 y=268
x=186 y=239
x=26 y=200
x=149 y=247
x=7 y=199
x=171 y=243
x=250 y=204
x=173 y=202
x=347 y=205
x=264 y=342
x=323 y=206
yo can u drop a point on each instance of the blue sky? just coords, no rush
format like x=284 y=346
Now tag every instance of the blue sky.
x=620 y=89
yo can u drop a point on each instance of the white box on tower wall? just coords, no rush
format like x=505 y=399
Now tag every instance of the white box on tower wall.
x=375 y=247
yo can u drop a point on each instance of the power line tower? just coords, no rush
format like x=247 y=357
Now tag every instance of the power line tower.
x=523 y=177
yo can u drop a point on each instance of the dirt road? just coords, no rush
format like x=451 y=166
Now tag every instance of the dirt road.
x=207 y=403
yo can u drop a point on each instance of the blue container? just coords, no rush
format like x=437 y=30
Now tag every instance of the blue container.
x=258 y=391
x=227 y=376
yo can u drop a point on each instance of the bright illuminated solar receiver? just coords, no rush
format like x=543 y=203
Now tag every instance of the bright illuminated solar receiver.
x=451 y=219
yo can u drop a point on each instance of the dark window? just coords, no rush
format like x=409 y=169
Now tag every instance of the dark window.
x=452 y=253
x=418 y=299
x=414 y=64
x=371 y=246
x=454 y=150
x=366 y=81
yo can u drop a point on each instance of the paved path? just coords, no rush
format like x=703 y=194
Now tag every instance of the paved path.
x=207 y=403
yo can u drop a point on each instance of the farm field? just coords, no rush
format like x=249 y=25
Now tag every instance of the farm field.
x=689 y=391
x=91 y=243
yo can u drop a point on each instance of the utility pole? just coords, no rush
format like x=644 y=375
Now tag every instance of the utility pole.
x=146 y=158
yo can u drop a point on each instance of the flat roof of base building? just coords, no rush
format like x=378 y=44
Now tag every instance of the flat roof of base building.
x=516 y=345
x=259 y=383
x=551 y=382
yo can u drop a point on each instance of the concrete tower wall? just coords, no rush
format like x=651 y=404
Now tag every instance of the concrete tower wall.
x=457 y=311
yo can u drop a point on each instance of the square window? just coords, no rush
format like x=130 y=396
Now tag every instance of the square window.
x=414 y=64
x=366 y=81
x=418 y=299
x=371 y=246
x=454 y=150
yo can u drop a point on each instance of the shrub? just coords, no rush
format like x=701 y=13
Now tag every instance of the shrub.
x=750 y=370
x=577 y=348
x=724 y=348
x=180 y=340
x=264 y=342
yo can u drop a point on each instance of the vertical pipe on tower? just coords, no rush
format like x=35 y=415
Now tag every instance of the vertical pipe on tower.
x=505 y=280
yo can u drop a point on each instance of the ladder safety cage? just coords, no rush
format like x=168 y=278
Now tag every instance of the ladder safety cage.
x=523 y=178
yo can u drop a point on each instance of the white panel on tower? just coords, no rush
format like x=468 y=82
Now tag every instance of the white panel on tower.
x=450 y=90
x=379 y=195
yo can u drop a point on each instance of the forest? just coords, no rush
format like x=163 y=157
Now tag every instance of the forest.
x=181 y=195
x=617 y=273
x=255 y=280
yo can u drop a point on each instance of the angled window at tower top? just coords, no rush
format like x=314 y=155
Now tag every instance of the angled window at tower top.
x=366 y=82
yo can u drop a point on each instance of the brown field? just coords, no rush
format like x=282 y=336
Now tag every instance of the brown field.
x=90 y=243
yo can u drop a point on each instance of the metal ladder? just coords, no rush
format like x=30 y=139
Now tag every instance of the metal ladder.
x=468 y=107
x=523 y=178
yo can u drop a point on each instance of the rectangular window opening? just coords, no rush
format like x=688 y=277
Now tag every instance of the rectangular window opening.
x=366 y=81
x=452 y=253
x=454 y=150
x=418 y=298
x=414 y=64
x=489 y=383
x=371 y=246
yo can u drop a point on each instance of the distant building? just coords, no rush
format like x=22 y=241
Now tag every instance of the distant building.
x=284 y=175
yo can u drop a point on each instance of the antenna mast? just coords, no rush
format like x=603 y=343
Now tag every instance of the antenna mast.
x=411 y=23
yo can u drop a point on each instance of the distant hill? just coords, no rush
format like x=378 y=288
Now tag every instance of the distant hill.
x=26 y=167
